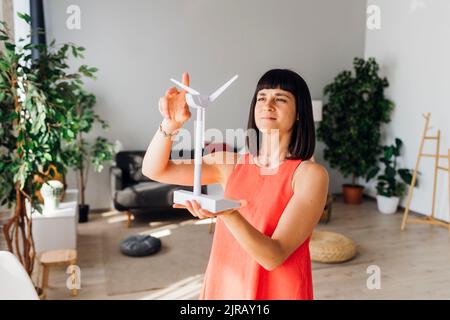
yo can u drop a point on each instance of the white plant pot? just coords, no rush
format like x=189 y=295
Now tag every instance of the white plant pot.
x=387 y=205
x=51 y=193
x=51 y=203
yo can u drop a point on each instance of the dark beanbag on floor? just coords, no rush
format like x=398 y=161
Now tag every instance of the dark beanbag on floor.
x=140 y=245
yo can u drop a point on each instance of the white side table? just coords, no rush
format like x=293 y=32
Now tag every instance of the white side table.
x=56 y=229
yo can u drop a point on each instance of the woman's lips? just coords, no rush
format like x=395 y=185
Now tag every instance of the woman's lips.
x=267 y=117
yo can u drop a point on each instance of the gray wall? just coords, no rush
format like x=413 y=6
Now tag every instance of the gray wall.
x=139 y=44
x=413 y=50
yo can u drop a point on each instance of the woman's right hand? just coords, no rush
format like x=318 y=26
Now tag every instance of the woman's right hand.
x=173 y=107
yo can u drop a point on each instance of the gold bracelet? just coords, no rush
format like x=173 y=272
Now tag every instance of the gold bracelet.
x=165 y=134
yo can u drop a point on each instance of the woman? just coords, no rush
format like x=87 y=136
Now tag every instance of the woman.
x=260 y=250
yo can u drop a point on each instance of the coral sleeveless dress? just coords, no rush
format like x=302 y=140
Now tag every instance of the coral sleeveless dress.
x=232 y=273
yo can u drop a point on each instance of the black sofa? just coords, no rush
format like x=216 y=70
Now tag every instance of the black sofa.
x=132 y=190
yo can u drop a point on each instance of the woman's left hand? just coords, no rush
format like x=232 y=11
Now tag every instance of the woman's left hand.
x=195 y=209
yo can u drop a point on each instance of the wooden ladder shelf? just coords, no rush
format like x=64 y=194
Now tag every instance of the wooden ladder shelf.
x=428 y=219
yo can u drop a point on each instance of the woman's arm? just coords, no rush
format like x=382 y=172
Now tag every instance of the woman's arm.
x=156 y=164
x=158 y=167
x=296 y=223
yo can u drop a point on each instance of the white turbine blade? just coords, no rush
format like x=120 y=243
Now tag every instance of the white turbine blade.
x=219 y=91
x=185 y=87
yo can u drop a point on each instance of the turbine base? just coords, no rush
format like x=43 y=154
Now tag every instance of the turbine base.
x=211 y=203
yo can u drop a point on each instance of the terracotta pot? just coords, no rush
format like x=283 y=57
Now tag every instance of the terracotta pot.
x=352 y=193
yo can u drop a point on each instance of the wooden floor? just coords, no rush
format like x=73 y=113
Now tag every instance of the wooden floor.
x=413 y=264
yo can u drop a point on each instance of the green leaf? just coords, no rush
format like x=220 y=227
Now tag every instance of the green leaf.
x=4 y=66
x=388 y=152
x=24 y=16
x=10 y=46
x=74 y=52
x=48 y=156
x=398 y=143
x=372 y=173
x=390 y=172
x=405 y=175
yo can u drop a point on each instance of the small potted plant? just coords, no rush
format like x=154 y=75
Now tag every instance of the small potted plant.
x=391 y=184
x=52 y=191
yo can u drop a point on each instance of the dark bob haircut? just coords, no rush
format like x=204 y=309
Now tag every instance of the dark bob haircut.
x=303 y=138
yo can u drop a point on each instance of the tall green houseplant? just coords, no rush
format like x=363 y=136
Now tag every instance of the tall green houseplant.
x=67 y=91
x=30 y=140
x=80 y=153
x=37 y=101
x=351 y=124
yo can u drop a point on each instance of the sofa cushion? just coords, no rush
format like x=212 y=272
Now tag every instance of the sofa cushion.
x=147 y=195
x=135 y=168
x=131 y=164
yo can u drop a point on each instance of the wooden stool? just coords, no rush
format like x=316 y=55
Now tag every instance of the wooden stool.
x=53 y=258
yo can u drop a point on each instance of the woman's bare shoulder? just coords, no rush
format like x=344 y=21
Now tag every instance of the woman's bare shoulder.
x=309 y=172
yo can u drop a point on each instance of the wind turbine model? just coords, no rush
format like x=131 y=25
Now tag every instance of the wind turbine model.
x=208 y=202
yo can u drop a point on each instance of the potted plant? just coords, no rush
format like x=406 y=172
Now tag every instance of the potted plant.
x=37 y=100
x=65 y=91
x=30 y=140
x=79 y=152
x=51 y=192
x=391 y=185
x=352 y=117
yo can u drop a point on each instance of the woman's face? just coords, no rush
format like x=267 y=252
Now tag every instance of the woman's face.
x=275 y=109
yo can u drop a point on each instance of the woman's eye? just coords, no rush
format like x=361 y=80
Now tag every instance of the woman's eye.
x=277 y=100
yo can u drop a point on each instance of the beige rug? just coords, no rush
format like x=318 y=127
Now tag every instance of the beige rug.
x=184 y=255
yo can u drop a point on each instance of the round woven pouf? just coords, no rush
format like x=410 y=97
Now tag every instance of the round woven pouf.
x=331 y=247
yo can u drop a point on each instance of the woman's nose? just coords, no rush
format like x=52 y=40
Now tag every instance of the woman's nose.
x=268 y=104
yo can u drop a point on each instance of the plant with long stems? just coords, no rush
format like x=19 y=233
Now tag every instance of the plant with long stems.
x=80 y=154
x=38 y=126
